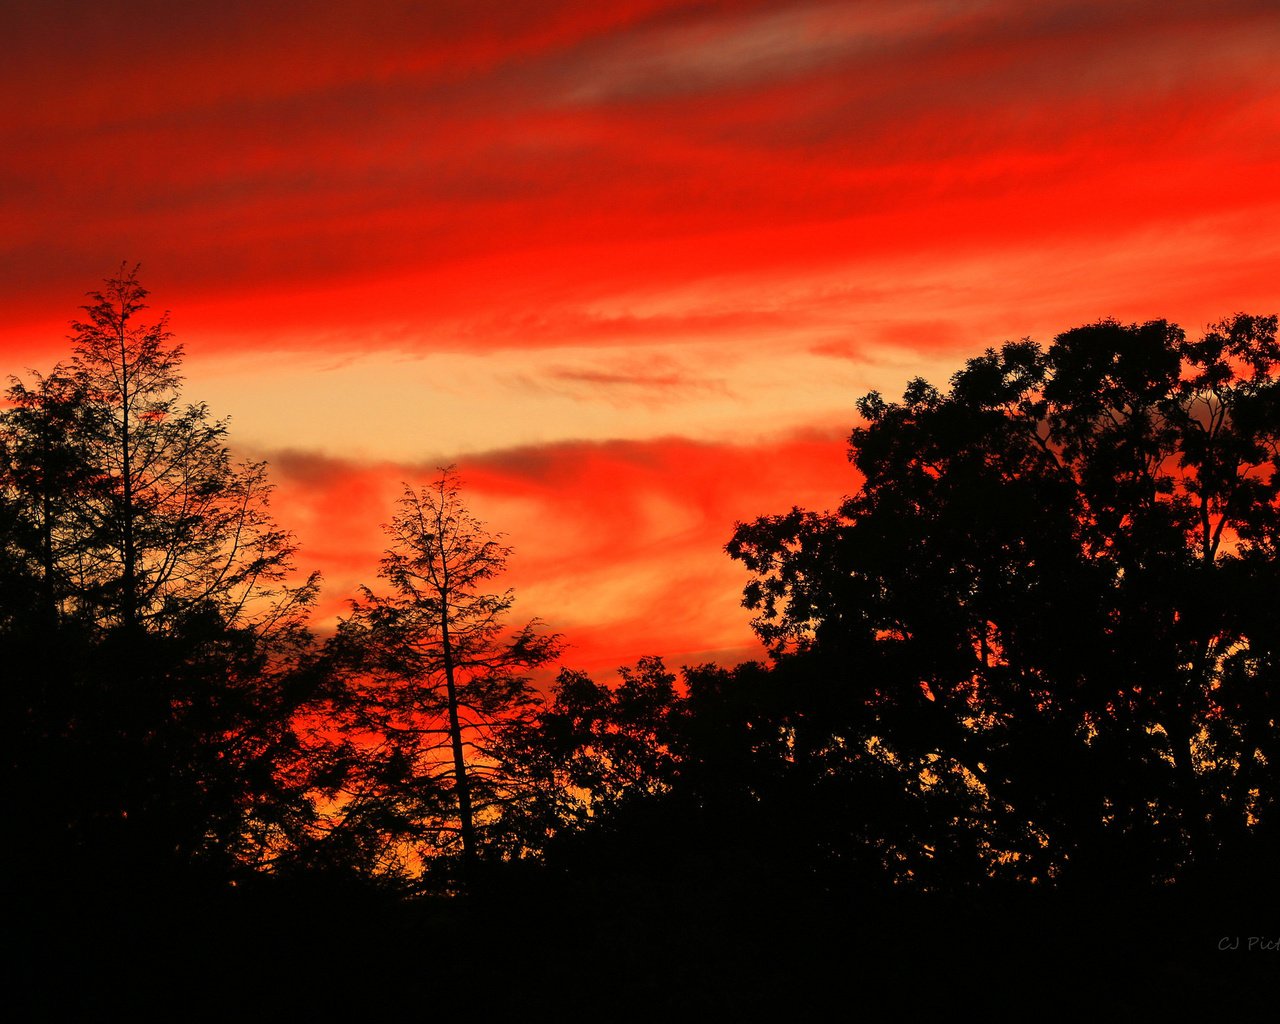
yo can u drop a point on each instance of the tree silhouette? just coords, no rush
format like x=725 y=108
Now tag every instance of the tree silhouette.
x=656 y=775
x=46 y=472
x=429 y=670
x=166 y=616
x=591 y=756
x=170 y=522
x=1051 y=602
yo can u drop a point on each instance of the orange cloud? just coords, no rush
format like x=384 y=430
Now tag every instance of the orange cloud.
x=620 y=545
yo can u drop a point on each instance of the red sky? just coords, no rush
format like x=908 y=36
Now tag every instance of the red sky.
x=628 y=264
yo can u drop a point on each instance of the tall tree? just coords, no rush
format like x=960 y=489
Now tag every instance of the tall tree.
x=170 y=613
x=171 y=521
x=430 y=670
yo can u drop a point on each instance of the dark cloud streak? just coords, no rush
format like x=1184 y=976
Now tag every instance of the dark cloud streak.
x=237 y=142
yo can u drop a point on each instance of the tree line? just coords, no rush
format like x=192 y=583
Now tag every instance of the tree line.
x=1035 y=647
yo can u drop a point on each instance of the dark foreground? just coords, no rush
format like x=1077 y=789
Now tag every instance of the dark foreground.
x=620 y=948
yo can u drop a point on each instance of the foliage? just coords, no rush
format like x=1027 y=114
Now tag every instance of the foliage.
x=426 y=672
x=1053 y=597
x=590 y=755
x=149 y=610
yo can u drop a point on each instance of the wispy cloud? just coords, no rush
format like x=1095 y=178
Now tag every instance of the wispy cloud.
x=618 y=544
x=606 y=254
x=244 y=149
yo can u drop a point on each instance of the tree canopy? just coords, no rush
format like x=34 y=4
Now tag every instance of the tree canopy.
x=427 y=671
x=1053 y=598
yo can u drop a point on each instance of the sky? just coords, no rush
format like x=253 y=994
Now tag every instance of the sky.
x=628 y=265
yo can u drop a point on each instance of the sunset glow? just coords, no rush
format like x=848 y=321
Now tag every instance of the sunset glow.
x=627 y=265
